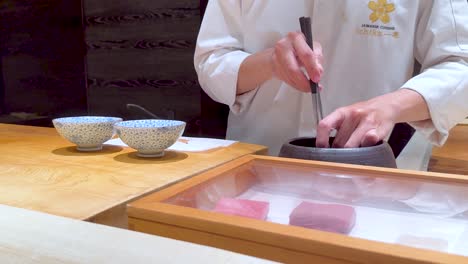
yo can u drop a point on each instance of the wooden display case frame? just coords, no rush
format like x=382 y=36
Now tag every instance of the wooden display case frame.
x=273 y=241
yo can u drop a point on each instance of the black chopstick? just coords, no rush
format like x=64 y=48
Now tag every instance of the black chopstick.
x=306 y=28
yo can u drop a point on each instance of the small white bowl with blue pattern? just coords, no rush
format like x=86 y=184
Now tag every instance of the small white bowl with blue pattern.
x=150 y=137
x=87 y=132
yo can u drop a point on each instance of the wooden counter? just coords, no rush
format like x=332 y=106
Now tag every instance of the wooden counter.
x=41 y=171
x=453 y=156
x=52 y=240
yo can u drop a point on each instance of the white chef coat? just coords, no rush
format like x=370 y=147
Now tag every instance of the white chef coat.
x=362 y=59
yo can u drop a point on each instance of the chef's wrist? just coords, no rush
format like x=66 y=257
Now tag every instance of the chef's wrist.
x=267 y=64
x=408 y=105
x=255 y=70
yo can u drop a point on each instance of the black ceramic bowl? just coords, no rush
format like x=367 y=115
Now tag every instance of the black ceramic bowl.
x=380 y=155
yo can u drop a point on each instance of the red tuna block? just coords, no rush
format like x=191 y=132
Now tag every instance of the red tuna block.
x=242 y=207
x=327 y=217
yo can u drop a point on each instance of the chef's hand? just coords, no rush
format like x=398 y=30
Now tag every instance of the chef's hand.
x=292 y=53
x=366 y=123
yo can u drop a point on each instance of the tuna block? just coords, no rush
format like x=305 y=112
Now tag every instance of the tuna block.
x=243 y=207
x=326 y=217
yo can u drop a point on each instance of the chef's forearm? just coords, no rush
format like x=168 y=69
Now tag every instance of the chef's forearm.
x=254 y=71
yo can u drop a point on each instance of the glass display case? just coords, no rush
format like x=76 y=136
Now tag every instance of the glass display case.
x=295 y=211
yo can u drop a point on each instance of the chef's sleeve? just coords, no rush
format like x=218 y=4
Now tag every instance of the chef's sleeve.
x=219 y=53
x=441 y=46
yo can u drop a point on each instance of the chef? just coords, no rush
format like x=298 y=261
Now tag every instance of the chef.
x=251 y=56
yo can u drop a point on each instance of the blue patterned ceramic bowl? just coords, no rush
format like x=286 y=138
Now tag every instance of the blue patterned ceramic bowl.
x=87 y=132
x=150 y=137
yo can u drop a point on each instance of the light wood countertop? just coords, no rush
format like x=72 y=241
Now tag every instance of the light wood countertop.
x=41 y=171
x=453 y=156
x=34 y=237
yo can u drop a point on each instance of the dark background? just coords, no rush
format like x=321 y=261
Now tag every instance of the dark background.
x=92 y=57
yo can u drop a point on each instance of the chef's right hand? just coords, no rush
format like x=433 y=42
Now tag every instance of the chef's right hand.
x=290 y=55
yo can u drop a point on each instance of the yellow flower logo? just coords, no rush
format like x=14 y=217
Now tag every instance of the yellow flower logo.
x=380 y=9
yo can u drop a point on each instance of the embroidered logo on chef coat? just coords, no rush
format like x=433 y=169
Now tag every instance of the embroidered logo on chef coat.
x=380 y=20
x=380 y=11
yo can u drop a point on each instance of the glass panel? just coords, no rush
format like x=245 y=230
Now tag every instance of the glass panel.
x=408 y=211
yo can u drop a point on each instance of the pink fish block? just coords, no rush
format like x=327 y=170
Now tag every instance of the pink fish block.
x=243 y=207
x=326 y=217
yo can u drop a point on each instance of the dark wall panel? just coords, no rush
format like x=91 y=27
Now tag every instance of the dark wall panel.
x=42 y=56
x=2 y=90
x=73 y=57
x=213 y=114
x=141 y=52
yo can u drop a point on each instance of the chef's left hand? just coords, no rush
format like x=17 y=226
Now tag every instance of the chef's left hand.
x=366 y=123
